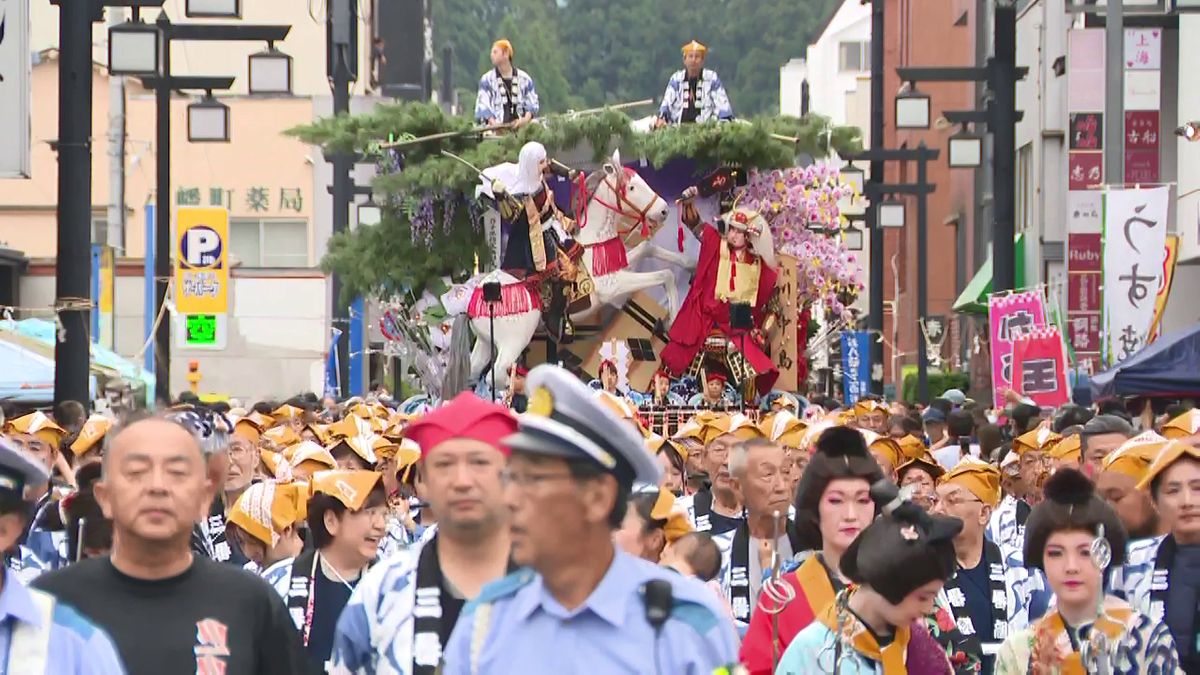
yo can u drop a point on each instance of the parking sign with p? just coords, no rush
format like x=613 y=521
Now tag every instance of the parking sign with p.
x=202 y=270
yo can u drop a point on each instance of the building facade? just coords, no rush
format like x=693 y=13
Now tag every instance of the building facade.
x=273 y=186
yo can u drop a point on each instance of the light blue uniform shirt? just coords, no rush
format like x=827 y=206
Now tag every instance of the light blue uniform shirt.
x=529 y=631
x=76 y=645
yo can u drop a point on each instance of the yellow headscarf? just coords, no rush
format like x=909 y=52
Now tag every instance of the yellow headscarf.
x=978 y=477
x=1187 y=424
x=268 y=508
x=1172 y=452
x=1134 y=457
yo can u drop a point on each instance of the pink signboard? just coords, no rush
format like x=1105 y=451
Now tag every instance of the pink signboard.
x=1083 y=252
x=1010 y=316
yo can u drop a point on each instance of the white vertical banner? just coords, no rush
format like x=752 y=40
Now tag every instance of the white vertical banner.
x=1135 y=241
x=15 y=65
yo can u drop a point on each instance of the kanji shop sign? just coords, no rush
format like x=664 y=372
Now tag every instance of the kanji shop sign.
x=202 y=276
x=1040 y=368
x=255 y=200
x=1010 y=317
x=1135 y=247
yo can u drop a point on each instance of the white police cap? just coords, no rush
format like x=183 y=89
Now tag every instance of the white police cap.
x=19 y=469
x=564 y=419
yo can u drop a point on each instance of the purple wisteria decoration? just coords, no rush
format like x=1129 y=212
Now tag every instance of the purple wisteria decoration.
x=795 y=201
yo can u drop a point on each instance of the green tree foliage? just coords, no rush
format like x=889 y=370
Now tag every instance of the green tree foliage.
x=588 y=53
x=406 y=253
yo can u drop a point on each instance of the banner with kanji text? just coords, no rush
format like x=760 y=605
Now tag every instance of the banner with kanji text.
x=1135 y=248
x=1040 y=367
x=856 y=365
x=1009 y=317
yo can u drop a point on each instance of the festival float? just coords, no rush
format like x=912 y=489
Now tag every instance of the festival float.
x=447 y=305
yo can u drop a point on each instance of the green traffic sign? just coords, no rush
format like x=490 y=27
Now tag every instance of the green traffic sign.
x=201 y=329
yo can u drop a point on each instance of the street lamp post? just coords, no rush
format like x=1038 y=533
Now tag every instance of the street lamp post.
x=891 y=214
x=1001 y=116
x=73 y=267
x=163 y=83
x=875 y=308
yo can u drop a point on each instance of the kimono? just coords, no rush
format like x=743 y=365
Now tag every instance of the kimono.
x=40 y=550
x=1132 y=644
x=700 y=100
x=736 y=568
x=1029 y=593
x=772 y=628
x=1004 y=583
x=398 y=619
x=505 y=101
x=1144 y=582
x=857 y=652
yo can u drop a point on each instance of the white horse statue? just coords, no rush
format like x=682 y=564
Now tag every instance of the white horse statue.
x=617 y=201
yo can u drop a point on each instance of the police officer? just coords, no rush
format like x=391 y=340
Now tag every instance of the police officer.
x=38 y=634
x=582 y=605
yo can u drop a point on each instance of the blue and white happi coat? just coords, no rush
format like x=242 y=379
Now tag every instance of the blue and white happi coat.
x=1029 y=594
x=1139 y=578
x=43 y=550
x=493 y=96
x=376 y=634
x=711 y=99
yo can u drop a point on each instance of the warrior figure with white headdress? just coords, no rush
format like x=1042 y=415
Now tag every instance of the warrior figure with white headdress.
x=540 y=249
x=694 y=94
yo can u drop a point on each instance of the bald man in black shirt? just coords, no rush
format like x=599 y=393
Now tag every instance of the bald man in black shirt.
x=167 y=610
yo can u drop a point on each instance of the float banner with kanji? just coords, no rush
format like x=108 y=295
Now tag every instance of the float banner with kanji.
x=856 y=365
x=1009 y=317
x=1040 y=368
x=1135 y=250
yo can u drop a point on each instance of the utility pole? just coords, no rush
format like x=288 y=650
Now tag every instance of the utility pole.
x=1004 y=77
x=875 y=308
x=162 y=217
x=73 y=269
x=342 y=67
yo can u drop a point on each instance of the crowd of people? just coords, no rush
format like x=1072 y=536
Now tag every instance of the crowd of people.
x=807 y=537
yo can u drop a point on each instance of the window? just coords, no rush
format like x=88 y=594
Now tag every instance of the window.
x=641 y=349
x=854 y=57
x=269 y=243
x=1024 y=206
x=99 y=230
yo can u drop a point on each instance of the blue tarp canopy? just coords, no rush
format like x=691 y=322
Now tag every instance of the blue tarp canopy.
x=25 y=377
x=28 y=377
x=1170 y=366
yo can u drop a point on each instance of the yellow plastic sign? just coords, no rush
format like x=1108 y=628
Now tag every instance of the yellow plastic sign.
x=202 y=261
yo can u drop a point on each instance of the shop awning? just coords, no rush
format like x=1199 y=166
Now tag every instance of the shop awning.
x=974 y=298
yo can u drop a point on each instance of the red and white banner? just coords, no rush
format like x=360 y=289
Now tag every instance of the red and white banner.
x=1040 y=367
x=1010 y=317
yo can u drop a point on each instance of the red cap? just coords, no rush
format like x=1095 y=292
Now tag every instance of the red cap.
x=467 y=416
x=714 y=376
x=662 y=372
x=607 y=362
x=520 y=371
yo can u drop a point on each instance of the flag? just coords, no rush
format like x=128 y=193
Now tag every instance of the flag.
x=1040 y=368
x=332 y=386
x=1009 y=317
x=856 y=365
x=1135 y=243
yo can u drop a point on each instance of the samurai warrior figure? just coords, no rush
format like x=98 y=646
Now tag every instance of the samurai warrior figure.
x=540 y=249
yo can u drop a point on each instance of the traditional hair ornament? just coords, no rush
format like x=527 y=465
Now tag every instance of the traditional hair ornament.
x=1101 y=550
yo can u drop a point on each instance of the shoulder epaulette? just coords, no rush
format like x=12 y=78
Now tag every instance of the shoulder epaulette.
x=695 y=614
x=502 y=588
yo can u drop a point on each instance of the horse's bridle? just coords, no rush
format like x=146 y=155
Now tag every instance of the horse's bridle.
x=634 y=213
